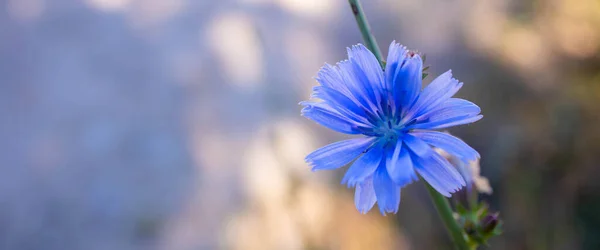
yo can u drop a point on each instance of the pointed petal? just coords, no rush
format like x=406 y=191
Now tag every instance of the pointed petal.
x=338 y=154
x=355 y=85
x=342 y=104
x=364 y=166
x=387 y=192
x=450 y=122
x=407 y=82
x=331 y=77
x=417 y=146
x=400 y=166
x=436 y=93
x=329 y=118
x=369 y=65
x=403 y=76
x=454 y=107
x=449 y=143
x=364 y=195
x=395 y=59
x=438 y=172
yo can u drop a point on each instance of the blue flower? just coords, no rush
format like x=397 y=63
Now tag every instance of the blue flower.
x=397 y=120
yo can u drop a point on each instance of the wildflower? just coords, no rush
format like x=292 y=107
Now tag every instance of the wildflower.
x=396 y=120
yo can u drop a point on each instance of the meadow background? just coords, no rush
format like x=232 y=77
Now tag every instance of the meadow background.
x=154 y=124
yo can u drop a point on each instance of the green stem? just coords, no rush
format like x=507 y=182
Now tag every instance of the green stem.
x=445 y=212
x=365 y=30
x=441 y=203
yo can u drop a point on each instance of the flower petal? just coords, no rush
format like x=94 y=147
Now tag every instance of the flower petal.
x=403 y=76
x=436 y=93
x=395 y=59
x=454 y=107
x=364 y=195
x=342 y=104
x=358 y=85
x=387 y=192
x=407 y=82
x=364 y=166
x=438 y=172
x=331 y=77
x=447 y=142
x=417 y=146
x=369 y=65
x=329 y=118
x=450 y=122
x=400 y=166
x=338 y=154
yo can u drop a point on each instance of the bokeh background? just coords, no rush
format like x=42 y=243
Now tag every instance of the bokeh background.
x=155 y=124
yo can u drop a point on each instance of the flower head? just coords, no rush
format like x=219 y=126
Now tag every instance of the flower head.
x=396 y=119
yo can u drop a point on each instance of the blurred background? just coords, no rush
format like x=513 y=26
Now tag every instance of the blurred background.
x=154 y=124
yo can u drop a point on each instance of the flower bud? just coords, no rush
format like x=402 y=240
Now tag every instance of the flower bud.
x=489 y=223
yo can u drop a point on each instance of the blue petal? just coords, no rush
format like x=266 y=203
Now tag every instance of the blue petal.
x=438 y=172
x=331 y=77
x=338 y=154
x=369 y=65
x=329 y=118
x=450 y=122
x=400 y=166
x=436 y=93
x=455 y=107
x=417 y=146
x=364 y=195
x=395 y=58
x=448 y=143
x=387 y=192
x=358 y=86
x=403 y=76
x=407 y=82
x=373 y=93
x=342 y=104
x=364 y=166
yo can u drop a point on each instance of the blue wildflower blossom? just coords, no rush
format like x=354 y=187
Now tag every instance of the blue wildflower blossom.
x=397 y=120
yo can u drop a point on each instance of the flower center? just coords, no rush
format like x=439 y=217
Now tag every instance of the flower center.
x=388 y=128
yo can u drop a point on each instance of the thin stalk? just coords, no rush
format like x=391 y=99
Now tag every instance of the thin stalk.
x=445 y=211
x=365 y=30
